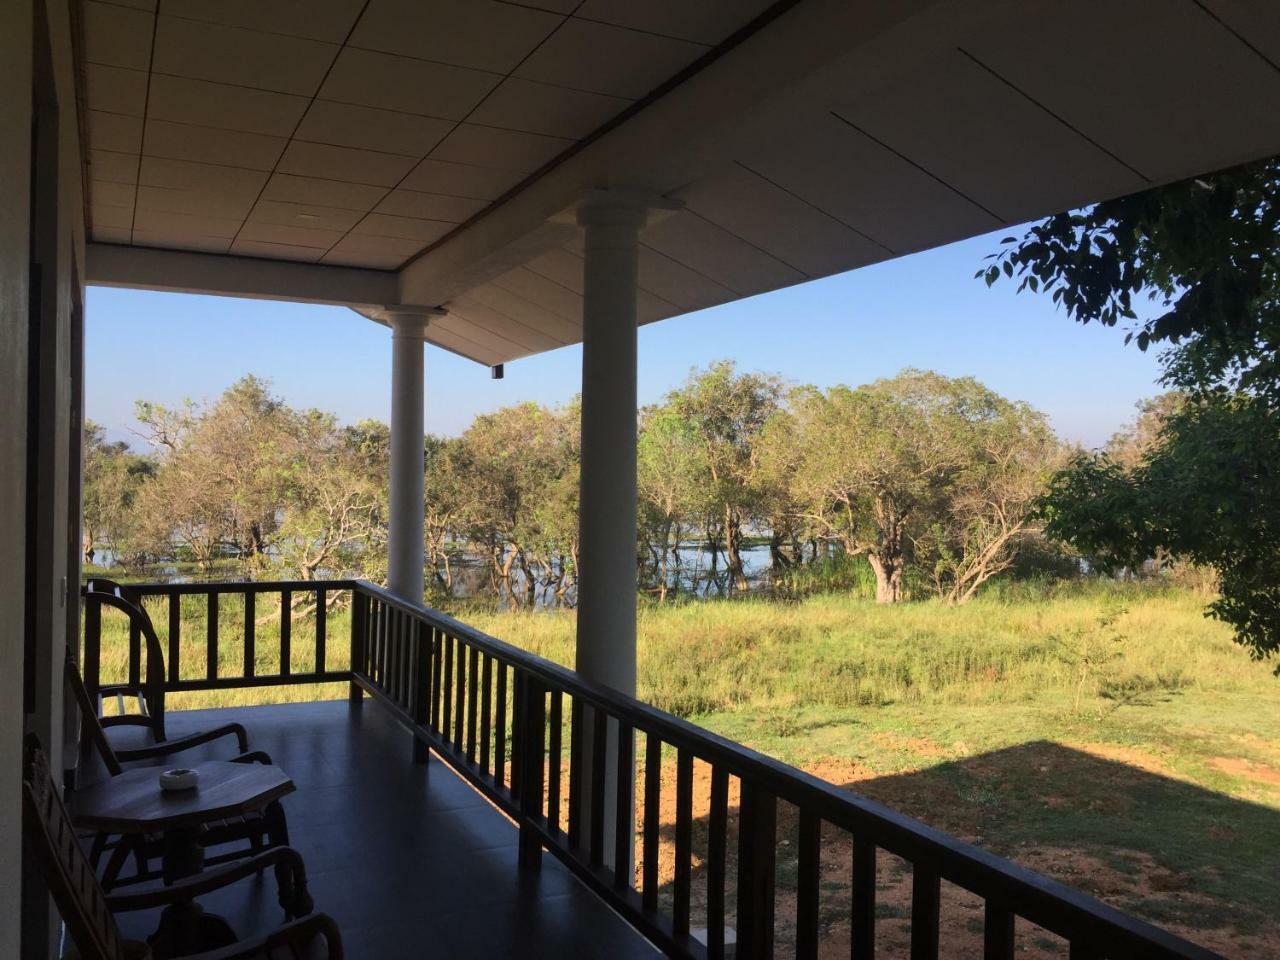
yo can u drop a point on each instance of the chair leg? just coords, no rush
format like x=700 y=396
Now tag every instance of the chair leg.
x=98 y=848
x=291 y=884
x=119 y=854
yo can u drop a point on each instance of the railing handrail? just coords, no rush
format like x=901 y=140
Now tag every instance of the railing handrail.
x=1030 y=895
x=157 y=588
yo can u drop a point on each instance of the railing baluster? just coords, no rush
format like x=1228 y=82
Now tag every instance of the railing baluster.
x=599 y=755
x=322 y=616
x=717 y=843
x=554 y=755
x=808 y=871
x=500 y=729
x=998 y=936
x=684 y=843
x=448 y=688
x=926 y=904
x=249 y=629
x=517 y=744
x=532 y=726
x=372 y=648
x=486 y=714
x=575 y=772
x=286 y=632
x=460 y=693
x=652 y=820
x=624 y=817
x=211 y=638
x=757 y=858
x=420 y=637
x=359 y=619
x=863 y=919
x=404 y=679
x=437 y=666
x=473 y=686
x=175 y=636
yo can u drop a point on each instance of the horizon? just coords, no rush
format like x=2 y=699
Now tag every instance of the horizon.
x=849 y=329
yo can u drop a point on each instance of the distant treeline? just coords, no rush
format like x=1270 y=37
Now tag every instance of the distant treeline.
x=933 y=480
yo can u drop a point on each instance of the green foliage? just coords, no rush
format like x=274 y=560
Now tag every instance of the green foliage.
x=113 y=477
x=1196 y=478
x=1207 y=491
x=915 y=467
x=1204 y=250
x=920 y=465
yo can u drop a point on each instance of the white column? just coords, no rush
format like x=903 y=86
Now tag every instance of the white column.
x=405 y=551
x=606 y=648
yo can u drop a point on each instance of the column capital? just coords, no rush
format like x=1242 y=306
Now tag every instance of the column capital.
x=406 y=320
x=623 y=207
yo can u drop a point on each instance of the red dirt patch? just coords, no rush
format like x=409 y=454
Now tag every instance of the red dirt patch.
x=1247 y=769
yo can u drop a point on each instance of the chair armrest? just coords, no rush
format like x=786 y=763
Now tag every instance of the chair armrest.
x=188 y=888
x=253 y=756
x=166 y=747
x=296 y=932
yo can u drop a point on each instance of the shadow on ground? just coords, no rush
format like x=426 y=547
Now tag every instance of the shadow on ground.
x=1103 y=820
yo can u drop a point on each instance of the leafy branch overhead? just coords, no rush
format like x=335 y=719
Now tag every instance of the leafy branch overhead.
x=1192 y=266
x=1203 y=483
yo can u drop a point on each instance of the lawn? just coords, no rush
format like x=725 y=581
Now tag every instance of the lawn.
x=1108 y=735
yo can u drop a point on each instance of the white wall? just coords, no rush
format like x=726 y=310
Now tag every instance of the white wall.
x=15 y=155
x=39 y=573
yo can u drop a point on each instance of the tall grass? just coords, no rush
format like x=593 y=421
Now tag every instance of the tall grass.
x=840 y=651
x=1107 y=640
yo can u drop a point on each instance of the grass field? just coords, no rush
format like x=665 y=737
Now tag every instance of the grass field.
x=1108 y=735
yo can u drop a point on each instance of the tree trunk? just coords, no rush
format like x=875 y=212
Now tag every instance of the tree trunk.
x=888 y=571
x=733 y=549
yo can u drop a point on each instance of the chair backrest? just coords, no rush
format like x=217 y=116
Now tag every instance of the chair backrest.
x=100 y=592
x=93 y=732
x=70 y=877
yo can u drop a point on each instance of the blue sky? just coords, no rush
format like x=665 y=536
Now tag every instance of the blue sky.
x=924 y=311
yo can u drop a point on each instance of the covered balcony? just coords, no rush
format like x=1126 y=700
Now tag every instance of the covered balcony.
x=452 y=802
x=498 y=179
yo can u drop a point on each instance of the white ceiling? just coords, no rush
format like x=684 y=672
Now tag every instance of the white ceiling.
x=841 y=133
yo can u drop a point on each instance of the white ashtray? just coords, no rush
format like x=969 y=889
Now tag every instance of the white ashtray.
x=179 y=779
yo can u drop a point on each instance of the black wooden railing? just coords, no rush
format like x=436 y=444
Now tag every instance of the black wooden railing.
x=496 y=715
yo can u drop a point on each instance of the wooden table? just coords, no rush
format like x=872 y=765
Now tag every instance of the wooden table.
x=132 y=804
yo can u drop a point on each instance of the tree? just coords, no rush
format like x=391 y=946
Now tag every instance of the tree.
x=917 y=464
x=113 y=477
x=219 y=485
x=515 y=462
x=1206 y=251
x=673 y=477
x=990 y=505
x=447 y=498
x=332 y=510
x=727 y=411
x=1208 y=492
x=871 y=460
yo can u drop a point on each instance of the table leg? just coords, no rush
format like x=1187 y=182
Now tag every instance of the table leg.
x=185 y=927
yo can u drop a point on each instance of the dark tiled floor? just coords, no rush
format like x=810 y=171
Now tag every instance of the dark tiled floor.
x=408 y=859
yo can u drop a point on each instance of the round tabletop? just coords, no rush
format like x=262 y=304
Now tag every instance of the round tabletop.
x=134 y=803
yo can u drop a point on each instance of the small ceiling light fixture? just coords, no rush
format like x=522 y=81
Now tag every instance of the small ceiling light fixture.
x=306 y=216
x=495 y=372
